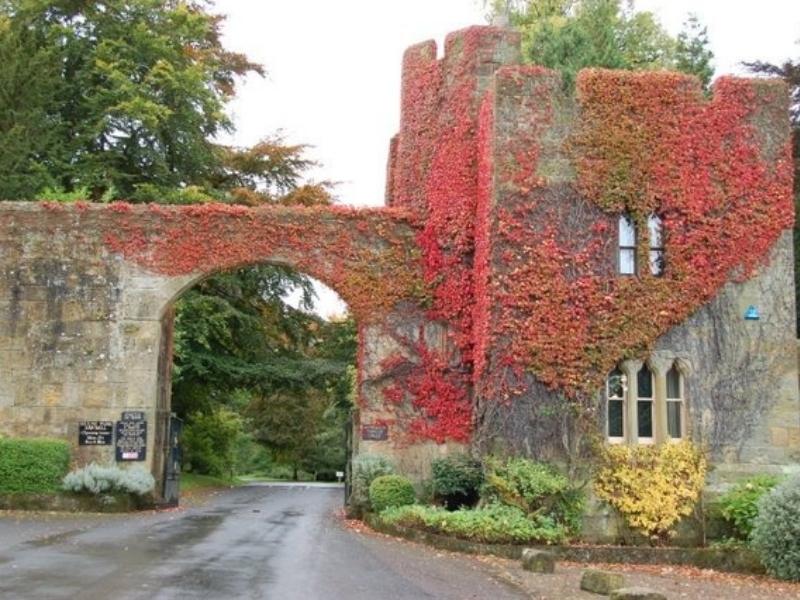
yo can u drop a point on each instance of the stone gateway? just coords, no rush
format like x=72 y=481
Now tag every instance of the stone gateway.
x=551 y=267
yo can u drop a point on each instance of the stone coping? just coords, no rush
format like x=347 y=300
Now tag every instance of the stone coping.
x=720 y=559
x=58 y=502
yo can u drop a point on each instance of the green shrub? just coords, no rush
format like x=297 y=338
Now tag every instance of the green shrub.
x=457 y=480
x=776 y=530
x=739 y=506
x=492 y=524
x=32 y=465
x=366 y=468
x=389 y=491
x=210 y=442
x=538 y=490
x=99 y=479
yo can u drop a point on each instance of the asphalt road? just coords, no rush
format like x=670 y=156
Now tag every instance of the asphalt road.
x=275 y=542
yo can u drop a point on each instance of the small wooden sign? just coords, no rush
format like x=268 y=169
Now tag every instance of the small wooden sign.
x=375 y=433
x=96 y=433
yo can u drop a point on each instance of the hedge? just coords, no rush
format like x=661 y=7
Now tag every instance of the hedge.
x=32 y=465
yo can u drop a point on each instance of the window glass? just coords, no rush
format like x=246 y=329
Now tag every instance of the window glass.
x=656 y=235
x=657 y=262
x=627 y=232
x=644 y=382
x=644 y=414
x=615 y=394
x=673 y=383
x=615 y=419
x=627 y=261
x=674 y=420
x=654 y=229
x=615 y=384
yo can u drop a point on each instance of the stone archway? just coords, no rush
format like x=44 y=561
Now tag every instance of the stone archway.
x=89 y=290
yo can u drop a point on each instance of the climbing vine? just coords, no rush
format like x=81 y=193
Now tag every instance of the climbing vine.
x=499 y=241
x=643 y=143
x=367 y=256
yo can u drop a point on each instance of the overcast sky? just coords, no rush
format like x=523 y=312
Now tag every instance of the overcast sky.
x=333 y=67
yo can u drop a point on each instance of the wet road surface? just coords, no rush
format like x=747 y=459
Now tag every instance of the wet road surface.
x=276 y=542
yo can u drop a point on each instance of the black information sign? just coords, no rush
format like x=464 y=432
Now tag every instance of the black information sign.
x=131 y=439
x=96 y=433
x=133 y=415
x=375 y=433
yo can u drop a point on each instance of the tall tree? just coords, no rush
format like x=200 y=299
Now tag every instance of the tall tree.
x=141 y=89
x=693 y=54
x=29 y=125
x=569 y=35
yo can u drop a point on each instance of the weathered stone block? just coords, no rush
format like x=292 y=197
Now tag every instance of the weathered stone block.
x=601 y=582
x=538 y=561
x=637 y=593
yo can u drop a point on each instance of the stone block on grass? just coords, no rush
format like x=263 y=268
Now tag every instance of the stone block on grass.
x=538 y=561
x=636 y=593
x=601 y=582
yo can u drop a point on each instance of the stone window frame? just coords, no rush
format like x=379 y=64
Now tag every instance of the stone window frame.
x=659 y=365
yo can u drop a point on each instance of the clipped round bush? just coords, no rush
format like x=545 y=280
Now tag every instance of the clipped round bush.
x=366 y=468
x=391 y=491
x=776 y=530
x=457 y=480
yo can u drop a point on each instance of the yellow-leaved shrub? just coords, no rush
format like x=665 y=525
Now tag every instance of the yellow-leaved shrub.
x=652 y=487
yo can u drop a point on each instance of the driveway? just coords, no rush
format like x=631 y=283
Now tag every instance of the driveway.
x=258 y=541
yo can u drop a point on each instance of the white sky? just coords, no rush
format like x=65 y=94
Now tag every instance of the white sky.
x=333 y=66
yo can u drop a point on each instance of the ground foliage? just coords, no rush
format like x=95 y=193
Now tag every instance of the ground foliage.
x=776 y=530
x=366 y=469
x=457 y=480
x=493 y=524
x=651 y=487
x=389 y=491
x=739 y=505
x=537 y=489
x=31 y=466
x=100 y=479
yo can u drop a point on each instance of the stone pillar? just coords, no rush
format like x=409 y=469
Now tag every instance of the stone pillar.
x=660 y=367
x=631 y=370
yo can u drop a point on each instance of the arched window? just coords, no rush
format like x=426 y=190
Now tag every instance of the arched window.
x=615 y=406
x=627 y=246
x=656 y=233
x=644 y=404
x=674 y=403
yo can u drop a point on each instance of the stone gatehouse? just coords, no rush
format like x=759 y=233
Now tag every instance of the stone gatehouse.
x=551 y=266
